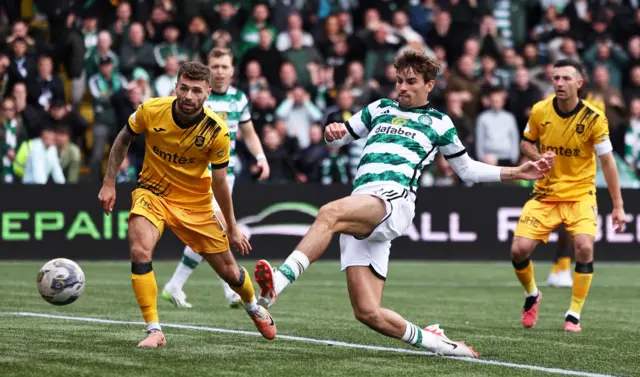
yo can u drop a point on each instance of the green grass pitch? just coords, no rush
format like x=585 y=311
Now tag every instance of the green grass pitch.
x=479 y=303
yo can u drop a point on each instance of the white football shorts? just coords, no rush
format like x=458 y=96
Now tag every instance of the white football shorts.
x=373 y=251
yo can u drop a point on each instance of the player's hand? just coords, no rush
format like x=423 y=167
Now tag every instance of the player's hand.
x=618 y=218
x=264 y=169
x=335 y=131
x=238 y=241
x=107 y=197
x=550 y=157
x=533 y=170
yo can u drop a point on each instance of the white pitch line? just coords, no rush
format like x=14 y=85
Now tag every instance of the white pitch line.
x=566 y=372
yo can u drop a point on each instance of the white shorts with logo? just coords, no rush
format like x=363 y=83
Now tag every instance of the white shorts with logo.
x=373 y=251
x=231 y=179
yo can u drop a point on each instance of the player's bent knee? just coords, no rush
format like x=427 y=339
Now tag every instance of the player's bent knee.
x=234 y=276
x=521 y=248
x=329 y=214
x=368 y=316
x=140 y=254
x=584 y=251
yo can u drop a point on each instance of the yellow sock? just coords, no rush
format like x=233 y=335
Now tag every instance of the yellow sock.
x=556 y=267
x=245 y=290
x=581 y=284
x=563 y=263
x=524 y=272
x=146 y=291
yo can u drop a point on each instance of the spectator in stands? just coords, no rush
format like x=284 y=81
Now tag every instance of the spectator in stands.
x=68 y=153
x=382 y=48
x=249 y=35
x=311 y=157
x=522 y=96
x=23 y=65
x=340 y=113
x=62 y=114
x=632 y=137
x=12 y=134
x=362 y=91
x=26 y=115
x=71 y=53
x=20 y=30
x=283 y=168
x=269 y=58
x=632 y=90
x=40 y=158
x=102 y=50
x=462 y=81
x=4 y=75
x=255 y=81
x=542 y=78
x=605 y=53
x=224 y=19
x=299 y=112
x=463 y=123
x=44 y=86
x=263 y=110
x=120 y=28
x=305 y=59
x=165 y=83
x=288 y=80
x=284 y=40
x=338 y=59
x=102 y=86
x=197 y=34
x=125 y=103
x=90 y=31
x=155 y=27
x=497 y=136
x=136 y=52
x=170 y=47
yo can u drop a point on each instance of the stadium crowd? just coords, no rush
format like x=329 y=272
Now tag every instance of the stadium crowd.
x=71 y=73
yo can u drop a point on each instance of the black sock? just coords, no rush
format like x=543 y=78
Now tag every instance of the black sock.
x=141 y=268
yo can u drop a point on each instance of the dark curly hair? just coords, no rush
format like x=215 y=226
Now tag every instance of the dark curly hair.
x=195 y=71
x=419 y=63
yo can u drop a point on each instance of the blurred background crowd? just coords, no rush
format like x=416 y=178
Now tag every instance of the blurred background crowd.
x=72 y=71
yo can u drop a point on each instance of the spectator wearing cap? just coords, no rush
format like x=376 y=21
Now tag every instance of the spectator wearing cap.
x=142 y=78
x=166 y=82
x=497 y=135
x=102 y=86
x=136 y=52
x=98 y=53
x=37 y=160
x=44 y=86
x=171 y=46
x=68 y=154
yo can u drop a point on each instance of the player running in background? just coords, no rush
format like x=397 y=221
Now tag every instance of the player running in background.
x=174 y=189
x=232 y=106
x=402 y=138
x=574 y=132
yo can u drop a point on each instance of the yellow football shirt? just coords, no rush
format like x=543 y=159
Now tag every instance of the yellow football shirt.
x=177 y=155
x=573 y=137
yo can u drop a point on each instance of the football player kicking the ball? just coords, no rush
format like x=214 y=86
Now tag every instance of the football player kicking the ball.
x=174 y=189
x=402 y=138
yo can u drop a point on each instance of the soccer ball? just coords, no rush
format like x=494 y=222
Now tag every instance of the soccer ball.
x=60 y=281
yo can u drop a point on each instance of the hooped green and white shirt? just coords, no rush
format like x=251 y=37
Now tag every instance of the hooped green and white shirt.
x=233 y=107
x=400 y=142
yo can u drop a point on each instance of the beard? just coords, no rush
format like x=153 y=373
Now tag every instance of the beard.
x=187 y=107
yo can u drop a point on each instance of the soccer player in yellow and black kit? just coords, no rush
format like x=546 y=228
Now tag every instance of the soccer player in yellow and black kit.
x=174 y=189
x=571 y=133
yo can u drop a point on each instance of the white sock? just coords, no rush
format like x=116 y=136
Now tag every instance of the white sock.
x=573 y=314
x=228 y=292
x=190 y=260
x=532 y=294
x=252 y=306
x=417 y=337
x=286 y=274
x=153 y=326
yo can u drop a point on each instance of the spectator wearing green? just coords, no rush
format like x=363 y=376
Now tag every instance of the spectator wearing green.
x=250 y=34
x=170 y=47
x=101 y=51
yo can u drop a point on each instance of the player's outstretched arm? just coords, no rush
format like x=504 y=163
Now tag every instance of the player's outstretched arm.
x=474 y=171
x=255 y=147
x=107 y=195
x=221 y=192
x=610 y=172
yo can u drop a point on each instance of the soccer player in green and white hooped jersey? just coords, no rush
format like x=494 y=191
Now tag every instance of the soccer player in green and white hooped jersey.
x=402 y=138
x=233 y=106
